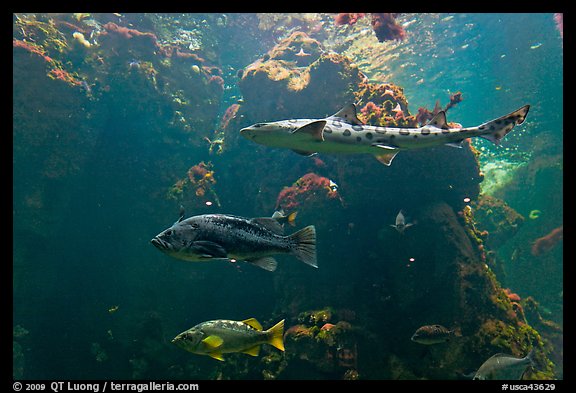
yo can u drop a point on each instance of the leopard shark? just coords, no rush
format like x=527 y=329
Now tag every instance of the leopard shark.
x=344 y=133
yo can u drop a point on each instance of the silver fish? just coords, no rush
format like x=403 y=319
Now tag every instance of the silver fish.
x=502 y=366
x=344 y=133
x=401 y=224
x=212 y=237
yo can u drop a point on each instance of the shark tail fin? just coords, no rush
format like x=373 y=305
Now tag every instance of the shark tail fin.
x=498 y=128
x=305 y=245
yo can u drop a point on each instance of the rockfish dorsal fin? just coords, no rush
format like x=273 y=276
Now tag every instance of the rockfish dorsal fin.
x=270 y=223
x=439 y=121
x=314 y=128
x=348 y=113
x=253 y=322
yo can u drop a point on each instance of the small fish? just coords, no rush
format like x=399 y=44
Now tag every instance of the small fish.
x=401 y=224
x=211 y=237
x=214 y=338
x=302 y=53
x=502 y=366
x=113 y=309
x=333 y=186
x=433 y=334
x=283 y=218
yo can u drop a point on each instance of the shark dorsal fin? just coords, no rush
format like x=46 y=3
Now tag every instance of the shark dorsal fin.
x=314 y=129
x=348 y=113
x=439 y=120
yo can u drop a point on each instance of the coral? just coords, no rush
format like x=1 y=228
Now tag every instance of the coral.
x=546 y=243
x=309 y=189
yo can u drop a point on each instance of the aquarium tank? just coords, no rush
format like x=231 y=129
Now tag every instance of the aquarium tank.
x=287 y=196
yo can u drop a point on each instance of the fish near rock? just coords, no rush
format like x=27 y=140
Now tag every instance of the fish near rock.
x=212 y=237
x=217 y=337
x=502 y=366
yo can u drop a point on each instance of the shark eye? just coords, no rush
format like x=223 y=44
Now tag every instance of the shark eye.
x=257 y=125
x=194 y=226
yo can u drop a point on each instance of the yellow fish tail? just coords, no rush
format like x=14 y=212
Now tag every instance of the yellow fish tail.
x=276 y=335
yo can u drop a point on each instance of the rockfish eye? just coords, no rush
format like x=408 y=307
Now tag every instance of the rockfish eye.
x=168 y=232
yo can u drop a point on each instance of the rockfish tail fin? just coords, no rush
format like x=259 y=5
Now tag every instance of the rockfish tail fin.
x=276 y=335
x=305 y=245
x=497 y=129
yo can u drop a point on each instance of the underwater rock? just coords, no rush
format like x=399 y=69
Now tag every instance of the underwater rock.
x=497 y=218
x=291 y=81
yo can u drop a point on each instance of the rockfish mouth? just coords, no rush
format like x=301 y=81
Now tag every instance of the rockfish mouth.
x=159 y=243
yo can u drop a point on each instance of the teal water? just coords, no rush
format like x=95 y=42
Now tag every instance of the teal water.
x=92 y=170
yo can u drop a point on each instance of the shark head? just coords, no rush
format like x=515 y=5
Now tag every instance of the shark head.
x=292 y=134
x=268 y=134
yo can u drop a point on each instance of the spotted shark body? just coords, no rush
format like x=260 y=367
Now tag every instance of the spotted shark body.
x=344 y=133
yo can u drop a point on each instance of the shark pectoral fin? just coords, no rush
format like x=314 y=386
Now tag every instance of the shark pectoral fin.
x=386 y=158
x=254 y=351
x=439 y=121
x=314 y=129
x=212 y=342
x=266 y=263
x=304 y=153
x=208 y=249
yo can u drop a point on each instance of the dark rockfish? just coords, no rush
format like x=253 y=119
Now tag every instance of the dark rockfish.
x=433 y=334
x=502 y=366
x=212 y=237
x=214 y=338
x=344 y=133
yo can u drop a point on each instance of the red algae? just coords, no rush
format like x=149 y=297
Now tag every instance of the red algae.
x=306 y=189
x=386 y=27
x=128 y=32
x=32 y=48
x=546 y=243
x=347 y=18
